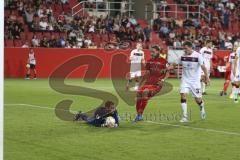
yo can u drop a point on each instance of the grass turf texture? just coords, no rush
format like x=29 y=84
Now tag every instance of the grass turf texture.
x=37 y=134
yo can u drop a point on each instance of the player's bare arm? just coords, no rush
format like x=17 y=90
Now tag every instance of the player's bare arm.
x=207 y=80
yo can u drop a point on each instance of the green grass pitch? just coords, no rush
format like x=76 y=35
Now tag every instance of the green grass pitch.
x=35 y=133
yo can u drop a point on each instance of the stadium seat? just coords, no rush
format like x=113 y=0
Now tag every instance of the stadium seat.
x=104 y=37
x=9 y=43
x=18 y=43
x=56 y=35
x=97 y=39
x=23 y=36
x=64 y=34
x=29 y=35
x=47 y=34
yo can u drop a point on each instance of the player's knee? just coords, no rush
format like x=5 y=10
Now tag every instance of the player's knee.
x=183 y=96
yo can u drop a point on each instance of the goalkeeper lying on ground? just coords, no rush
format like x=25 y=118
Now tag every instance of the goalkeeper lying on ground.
x=106 y=116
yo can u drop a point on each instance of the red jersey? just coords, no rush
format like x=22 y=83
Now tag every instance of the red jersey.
x=228 y=67
x=156 y=69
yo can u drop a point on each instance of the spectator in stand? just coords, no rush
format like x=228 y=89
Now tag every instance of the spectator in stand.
x=237 y=43
x=177 y=44
x=61 y=42
x=68 y=45
x=164 y=31
x=44 y=42
x=72 y=36
x=87 y=42
x=34 y=26
x=35 y=41
x=226 y=16
x=80 y=41
x=15 y=32
x=228 y=44
x=147 y=33
x=52 y=42
x=132 y=21
x=29 y=14
x=61 y=18
x=43 y=24
x=139 y=35
x=91 y=28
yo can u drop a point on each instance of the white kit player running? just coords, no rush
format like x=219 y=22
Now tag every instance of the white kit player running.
x=137 y=59
x=231 y=61
x=192 y=63
x=236 y=74
x=207 y=54
x=31 y=64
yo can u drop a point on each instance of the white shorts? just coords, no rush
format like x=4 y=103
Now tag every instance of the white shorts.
x=135 y=74
x=194 y=88
x=232 y=77
x=135 y=70
x=236 y=78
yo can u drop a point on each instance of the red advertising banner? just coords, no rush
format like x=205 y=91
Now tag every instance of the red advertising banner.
x=109 y=63
x=48 y=60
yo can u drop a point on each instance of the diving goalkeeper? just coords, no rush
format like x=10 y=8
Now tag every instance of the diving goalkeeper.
x=99 y=116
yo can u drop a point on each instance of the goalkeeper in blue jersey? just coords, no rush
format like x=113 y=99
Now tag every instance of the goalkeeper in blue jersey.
x=106 y=116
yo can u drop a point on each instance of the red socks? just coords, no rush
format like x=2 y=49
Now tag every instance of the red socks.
x=141 y=105
x=226 y=84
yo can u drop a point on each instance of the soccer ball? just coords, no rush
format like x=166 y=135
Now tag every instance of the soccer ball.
x=110 y=122
x=28 y=66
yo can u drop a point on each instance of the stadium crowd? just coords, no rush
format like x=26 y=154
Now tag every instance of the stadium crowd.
x=225 y=19
x=40 y=17
x=52 y=17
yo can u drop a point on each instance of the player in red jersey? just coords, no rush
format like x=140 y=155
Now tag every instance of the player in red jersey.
x=227 y=76
x=156 y=74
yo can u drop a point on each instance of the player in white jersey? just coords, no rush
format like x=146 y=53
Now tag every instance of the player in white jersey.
x=31 y=64
x=236 y=74
x=232 y=77
x=207 y=54
x=137 y=59
x=192 y=64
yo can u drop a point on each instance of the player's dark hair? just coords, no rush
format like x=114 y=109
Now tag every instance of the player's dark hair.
x=156 y=47
x=188 y=43
x=208 y=41
x=108 y=104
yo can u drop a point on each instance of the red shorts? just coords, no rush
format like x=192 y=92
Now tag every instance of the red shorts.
x=150 y=89
x=227 y=75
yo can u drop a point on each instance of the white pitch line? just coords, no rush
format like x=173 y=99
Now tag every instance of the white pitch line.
x=34 y=106
x=195 y=128
x=159 y=123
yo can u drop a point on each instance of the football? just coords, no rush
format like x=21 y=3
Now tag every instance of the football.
x=28 y=66
x=110 y=122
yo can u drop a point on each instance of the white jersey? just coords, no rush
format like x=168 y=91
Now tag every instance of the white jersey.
x=32 y=59
x=238 y=62
x=191 y=64
x=136 y=58
x=232 y=60
x=207 y=54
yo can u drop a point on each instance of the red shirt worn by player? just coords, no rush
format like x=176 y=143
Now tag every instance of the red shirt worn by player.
x=156 y=69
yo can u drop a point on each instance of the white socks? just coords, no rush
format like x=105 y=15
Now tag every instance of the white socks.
x=184 y=109
x=235 y=93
